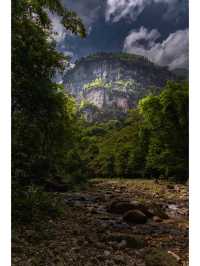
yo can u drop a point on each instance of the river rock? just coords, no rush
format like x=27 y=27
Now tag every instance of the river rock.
x=135 y=217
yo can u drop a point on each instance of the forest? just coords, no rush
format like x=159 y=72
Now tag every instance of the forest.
x=55 y=150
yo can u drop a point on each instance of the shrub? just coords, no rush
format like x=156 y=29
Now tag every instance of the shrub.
x=33 y=205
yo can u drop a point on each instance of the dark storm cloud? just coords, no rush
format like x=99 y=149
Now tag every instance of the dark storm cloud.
x=112 y=24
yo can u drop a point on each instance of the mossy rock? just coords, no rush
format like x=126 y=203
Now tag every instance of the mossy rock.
x=158 y=257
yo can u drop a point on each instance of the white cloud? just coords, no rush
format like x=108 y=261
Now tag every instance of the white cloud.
x=172 y=52
x=118 y=9
x=58 y=29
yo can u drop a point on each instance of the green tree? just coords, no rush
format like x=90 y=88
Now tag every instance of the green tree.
x=43 y=116
x=166 y=117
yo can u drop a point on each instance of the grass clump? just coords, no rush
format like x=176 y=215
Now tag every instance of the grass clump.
x=158 y=257
x=32 y=205
x=97 y=83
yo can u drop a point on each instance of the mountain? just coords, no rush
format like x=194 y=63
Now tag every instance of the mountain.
x=106 y=85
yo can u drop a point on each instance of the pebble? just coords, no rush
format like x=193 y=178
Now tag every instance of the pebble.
x=106 y=253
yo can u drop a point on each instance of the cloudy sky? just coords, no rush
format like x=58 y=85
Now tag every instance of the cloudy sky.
x=157 y=29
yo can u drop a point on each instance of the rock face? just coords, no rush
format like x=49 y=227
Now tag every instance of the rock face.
x=106 y=85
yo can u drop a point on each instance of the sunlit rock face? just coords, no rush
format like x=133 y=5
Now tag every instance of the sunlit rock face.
x=96 y=96
x=102 y=98
x=107 y=85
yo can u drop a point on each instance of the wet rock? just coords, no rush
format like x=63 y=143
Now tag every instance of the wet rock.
x=158 y=257
x=135 y=217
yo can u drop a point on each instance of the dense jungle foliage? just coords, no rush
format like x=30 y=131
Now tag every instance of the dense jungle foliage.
x=43 y=117
x=151 y=142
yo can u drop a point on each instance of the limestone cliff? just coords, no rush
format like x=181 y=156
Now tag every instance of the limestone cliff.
x=107 y=85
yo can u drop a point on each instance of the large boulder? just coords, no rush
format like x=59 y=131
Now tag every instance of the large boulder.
x=120 y=206
x=135 y=217
x=143 y=208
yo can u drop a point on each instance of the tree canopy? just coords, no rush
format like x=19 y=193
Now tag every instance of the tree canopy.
x=151 y=141
x=43 y=115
